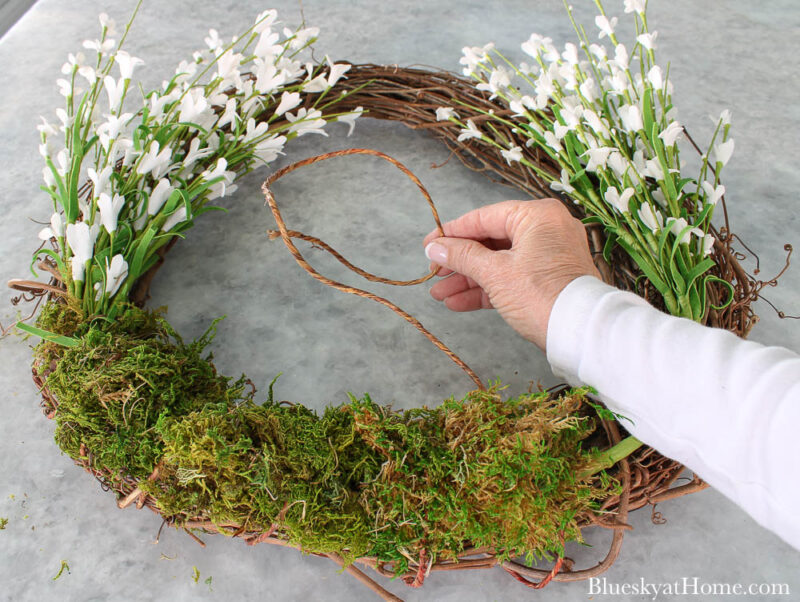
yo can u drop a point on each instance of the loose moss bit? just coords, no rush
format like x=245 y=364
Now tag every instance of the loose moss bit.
x=64 y=567
x=357 y=480
x=195 y=574
x=3 y=523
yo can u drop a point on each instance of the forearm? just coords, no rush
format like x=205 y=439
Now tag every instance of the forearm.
x=726 y=408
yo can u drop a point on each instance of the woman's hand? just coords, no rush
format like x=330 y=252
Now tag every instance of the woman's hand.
x=515 y=256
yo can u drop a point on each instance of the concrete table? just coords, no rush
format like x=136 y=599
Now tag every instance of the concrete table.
x=726 y=54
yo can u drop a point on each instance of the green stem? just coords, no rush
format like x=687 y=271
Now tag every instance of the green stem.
x=611 y=456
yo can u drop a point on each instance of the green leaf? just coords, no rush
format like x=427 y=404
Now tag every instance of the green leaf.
x=611 y=241
x=647 y=111
x=52 y=254
x=139 y=256
x=48 y=336
x=647 y=269
x=662 y=159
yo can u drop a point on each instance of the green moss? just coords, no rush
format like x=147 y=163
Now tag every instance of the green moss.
x=120 y=381
x=357 y=479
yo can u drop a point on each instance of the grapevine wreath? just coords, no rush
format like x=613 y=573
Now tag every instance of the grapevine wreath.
x=474 y=483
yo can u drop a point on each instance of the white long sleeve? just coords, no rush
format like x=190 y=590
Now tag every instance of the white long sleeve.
x=727 y=408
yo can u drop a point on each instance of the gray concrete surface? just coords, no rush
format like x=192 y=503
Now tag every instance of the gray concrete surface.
x=730 y=53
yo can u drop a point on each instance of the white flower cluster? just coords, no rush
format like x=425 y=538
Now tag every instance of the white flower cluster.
x=605 y=116
x=153 y=168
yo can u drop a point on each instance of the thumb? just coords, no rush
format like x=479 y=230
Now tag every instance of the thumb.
x=462 y=255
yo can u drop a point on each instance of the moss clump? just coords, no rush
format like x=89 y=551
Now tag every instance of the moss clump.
x=256 y=465
x=481 y=470
x=359 y=479
x=113 y=388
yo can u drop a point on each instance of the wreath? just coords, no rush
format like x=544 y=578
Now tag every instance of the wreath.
x=477 y=482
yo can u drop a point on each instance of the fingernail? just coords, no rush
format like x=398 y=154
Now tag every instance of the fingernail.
x=436 y=253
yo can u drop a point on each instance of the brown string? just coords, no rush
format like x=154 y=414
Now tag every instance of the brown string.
x=287 y=236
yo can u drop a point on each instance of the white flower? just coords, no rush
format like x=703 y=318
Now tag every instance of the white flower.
x=112 y=127
x=127 y=64
x=658 y=197
x=98 y=46
x=651 y=218
x=445 y=113
x=563 y=185
x=159 y=196
x=254 y=130
x=115 y=274
x=648 y=40
x=73 y=62
x=637 y=6
x=115 y=90
x=265 y=20
x=680 y=225
x=588 y=90
x=101 y=181
x=195 y=153
x=88 y=73
x=618 y=164
x=350 y=118
x=537 y=44
x=109 y=210
x=175 y=218
x=80 y=238
x=598 y=157
x=723 y=152
x=656 y=77
x=192 y=107
x=108 y=24
x=289 y=100
x=725 y=118
x=154 y=161
x=213 y=40
x=596 y=123
x=268 y=149
x=337 y=71
x=227 y=65
x=670 y=135
x=653 y=169
x=708 y=244
x=499 y=79
x=473 y=56
x=570 y=53
x=621 y=58
x=318 y=84
x=55 y=230
x=605 y=26
x=307 y=122
x=268 y=78
x=631 y=118
x=301 y=37
x=220 y=188
x=713 y=195
x=552 y=141
x=267 y=47
x=65 y=88
x=471 y=131
x=229 y=116
x=619 y=201
x=512 y=154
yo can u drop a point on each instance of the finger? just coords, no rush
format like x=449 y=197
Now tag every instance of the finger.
x=467 y=257
x=451 y=286
x=469 y=300
x=490 y=221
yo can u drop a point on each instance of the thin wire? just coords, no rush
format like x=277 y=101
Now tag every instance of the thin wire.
x=287 y=236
